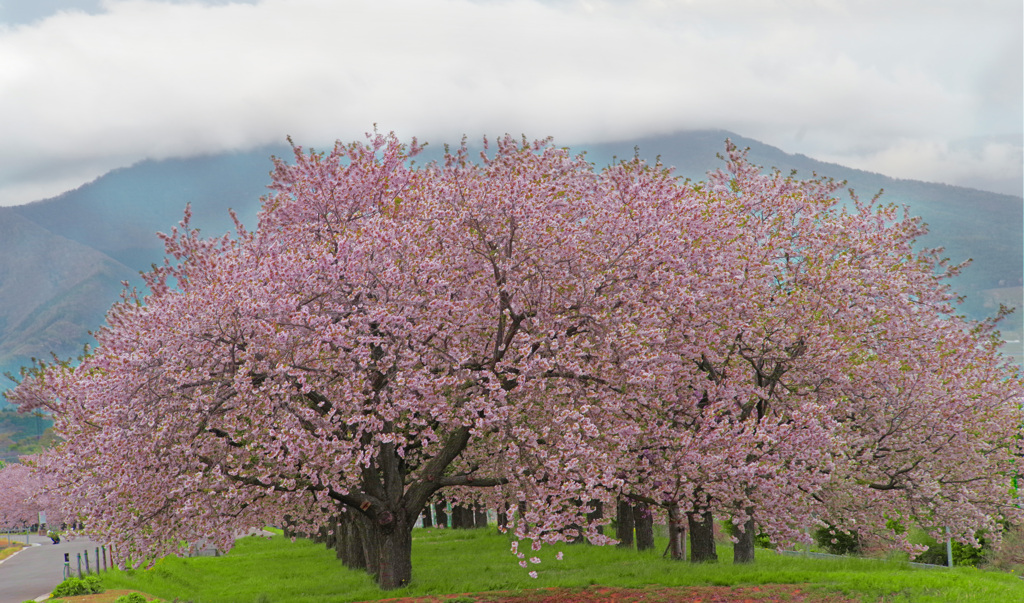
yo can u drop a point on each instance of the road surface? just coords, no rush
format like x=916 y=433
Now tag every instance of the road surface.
x=37 y=569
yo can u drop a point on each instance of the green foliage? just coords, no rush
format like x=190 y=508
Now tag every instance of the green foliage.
x=896 y=526
x=836 y=541
x=760 y=539
x=304 y=572
x=130 y=598
x=963 y=554
x=73 y=587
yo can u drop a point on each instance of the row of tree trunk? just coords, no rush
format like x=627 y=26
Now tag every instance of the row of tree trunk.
x=361 y=545
x=462 y=517
x=382 y=553
x=633 y=518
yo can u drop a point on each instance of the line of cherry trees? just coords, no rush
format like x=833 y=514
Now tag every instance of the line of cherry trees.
x=23 y=496
x=526 y=333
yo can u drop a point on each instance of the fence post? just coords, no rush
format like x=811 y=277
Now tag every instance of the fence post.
x=79 y=555
x=97 y=560
x=105 y=565
x=87 y=570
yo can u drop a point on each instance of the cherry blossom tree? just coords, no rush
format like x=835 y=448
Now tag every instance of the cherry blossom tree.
x=24 y=495
x=525 y=329
x=347 y=354
x=778 y=384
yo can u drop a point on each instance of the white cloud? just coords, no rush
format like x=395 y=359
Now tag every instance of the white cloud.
x=889 y=84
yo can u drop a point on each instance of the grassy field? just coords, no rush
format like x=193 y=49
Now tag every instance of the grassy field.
x=275 y=570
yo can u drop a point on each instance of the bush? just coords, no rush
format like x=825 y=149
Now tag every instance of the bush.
x=837 y=541
x=73 y=587
x=130 y=598
x=963 y=554
x=94 y=584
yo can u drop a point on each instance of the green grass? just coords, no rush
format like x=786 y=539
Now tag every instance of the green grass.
x=276 y=570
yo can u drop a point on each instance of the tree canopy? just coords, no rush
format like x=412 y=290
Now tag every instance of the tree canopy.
x=526 y=329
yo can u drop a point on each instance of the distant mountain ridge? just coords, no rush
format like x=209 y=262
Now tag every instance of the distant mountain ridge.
x=62 y=259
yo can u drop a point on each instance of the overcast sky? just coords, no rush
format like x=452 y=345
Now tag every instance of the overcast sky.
x=924 y=89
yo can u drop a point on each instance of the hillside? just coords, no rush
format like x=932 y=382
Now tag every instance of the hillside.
x=62 y=260
x=52 y=291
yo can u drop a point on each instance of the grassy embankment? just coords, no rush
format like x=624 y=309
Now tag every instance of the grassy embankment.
x=8 y=548
x=446 y=561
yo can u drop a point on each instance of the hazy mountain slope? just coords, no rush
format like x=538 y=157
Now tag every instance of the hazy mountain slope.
x=121 y=212
x=52 y=291
x=967 y=222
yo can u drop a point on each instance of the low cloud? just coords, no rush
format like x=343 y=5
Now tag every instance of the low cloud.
x=889 y=85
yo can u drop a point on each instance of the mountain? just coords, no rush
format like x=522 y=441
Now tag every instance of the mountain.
x=52 y=291
x=119 y=213
x=62 y=260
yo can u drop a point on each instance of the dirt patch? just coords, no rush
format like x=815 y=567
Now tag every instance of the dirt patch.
x=105 y=597
x=768 y=593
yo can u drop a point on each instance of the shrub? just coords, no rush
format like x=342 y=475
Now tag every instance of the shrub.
x=837 y=541
x=963 y=554
x=94 y=584
x=73 y=587
x=130 y=598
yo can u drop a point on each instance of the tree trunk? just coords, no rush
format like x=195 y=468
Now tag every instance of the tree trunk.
x=624 y=524
x=349 y=543
x=676 y=534
x=480 y=516
x=288 y=528
x=743 y=552
x=331 y=537
x=592 y=516
x=462 y=517
x=502 y=517
x=387 y=545
x=702 y=537
x=643 y=519
x=442 y=517
x=575 y=528
x=428 y=519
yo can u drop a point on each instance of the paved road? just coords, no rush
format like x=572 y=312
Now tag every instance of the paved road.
x=36 y=570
